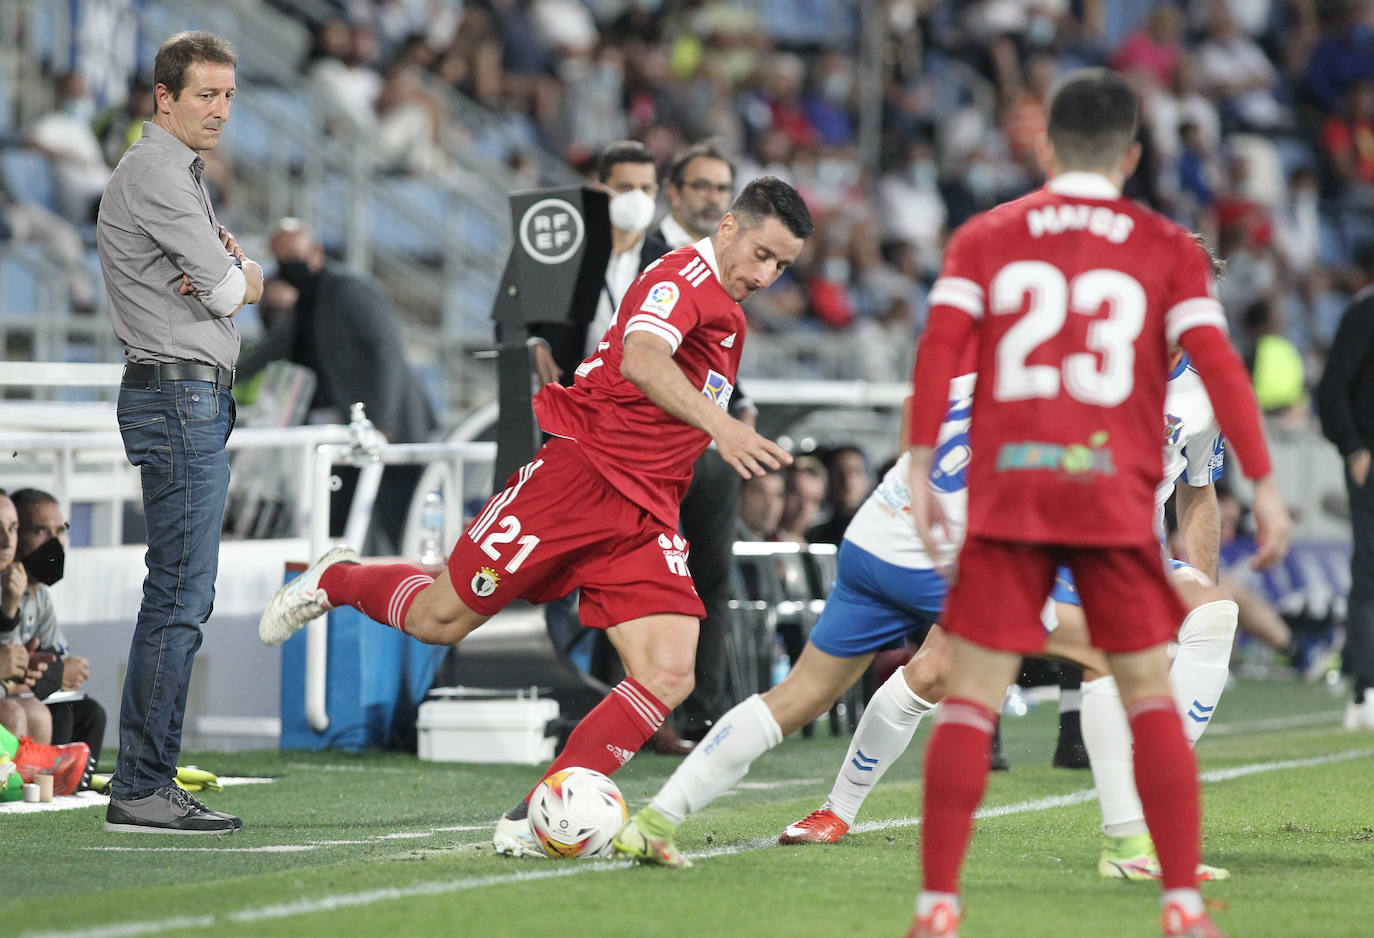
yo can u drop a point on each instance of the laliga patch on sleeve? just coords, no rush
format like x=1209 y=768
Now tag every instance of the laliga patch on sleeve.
x=661 y=298
x=718 y=389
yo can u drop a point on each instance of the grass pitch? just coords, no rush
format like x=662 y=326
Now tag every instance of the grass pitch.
x=381 y=844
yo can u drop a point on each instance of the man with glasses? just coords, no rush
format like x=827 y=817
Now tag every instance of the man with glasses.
x=700 y=184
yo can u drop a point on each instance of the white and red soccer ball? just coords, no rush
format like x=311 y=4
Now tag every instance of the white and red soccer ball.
x=576 y=812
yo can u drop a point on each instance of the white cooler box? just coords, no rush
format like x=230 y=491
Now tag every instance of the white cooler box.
x=467 y=727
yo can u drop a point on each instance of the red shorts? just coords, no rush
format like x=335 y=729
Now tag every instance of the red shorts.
x=559 y=525
x=1127 y=597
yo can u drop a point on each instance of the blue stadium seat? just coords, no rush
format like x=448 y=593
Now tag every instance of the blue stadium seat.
x=18 y=288
x=259 y=113
x=28 y=176
x=400 y=200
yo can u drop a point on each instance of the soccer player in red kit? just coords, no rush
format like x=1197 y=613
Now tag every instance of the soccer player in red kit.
x=1071 y=297
x=597 y=507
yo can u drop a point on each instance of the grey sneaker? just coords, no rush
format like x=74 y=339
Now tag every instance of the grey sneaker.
x=301 y=600
x=169 y=810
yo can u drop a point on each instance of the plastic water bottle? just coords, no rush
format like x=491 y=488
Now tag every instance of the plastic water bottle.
x=781 y=662
x=432 y=528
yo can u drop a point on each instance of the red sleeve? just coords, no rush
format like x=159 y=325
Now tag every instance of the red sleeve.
x=956 y=303
x=1233 y=399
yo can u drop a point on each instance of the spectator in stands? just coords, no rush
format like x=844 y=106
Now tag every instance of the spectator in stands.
x=344 y=328
x=701 y=181
x=1343 y=55
x=1345 y=404
x=26 y=222
x=761 y=501
x=1154 y=48
x=803 y=498
x=1348 y=144
x=1236 y=71
x=175 y=279
x=850 y=483
x=118 y=127
x=42 y=540
x=65 y=135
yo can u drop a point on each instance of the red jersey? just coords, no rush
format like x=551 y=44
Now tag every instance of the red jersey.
x=640 y=449
x=1072 y=296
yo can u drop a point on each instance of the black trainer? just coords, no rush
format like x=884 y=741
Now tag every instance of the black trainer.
x=1070 y=753
x=168 y=810
x=998 y=760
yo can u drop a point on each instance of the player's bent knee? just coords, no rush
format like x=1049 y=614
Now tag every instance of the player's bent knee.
x=1212 y=623
x=925 y=675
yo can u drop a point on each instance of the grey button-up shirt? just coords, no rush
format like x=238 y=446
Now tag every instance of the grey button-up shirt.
x=156 y=224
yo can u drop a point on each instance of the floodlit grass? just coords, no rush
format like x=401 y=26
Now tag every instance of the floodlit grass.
x=381 y=844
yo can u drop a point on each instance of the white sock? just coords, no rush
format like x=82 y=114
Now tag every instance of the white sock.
x=722 y=758
x=1200 y=668
x=1107 y=736
x=1190 y=899
x=883 y=733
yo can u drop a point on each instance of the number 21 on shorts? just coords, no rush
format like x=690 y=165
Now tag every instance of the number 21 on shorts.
x=505 y=531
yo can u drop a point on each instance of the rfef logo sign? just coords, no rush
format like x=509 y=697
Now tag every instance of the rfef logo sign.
x=551 y=231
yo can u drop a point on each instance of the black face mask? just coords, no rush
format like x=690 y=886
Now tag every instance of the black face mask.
x=46 y=561
x=296 y=273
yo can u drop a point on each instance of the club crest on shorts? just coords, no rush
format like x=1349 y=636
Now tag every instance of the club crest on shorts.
x=674 y=553
x=484 y=582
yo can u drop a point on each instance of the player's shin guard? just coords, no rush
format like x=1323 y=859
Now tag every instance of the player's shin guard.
x=1200 y=668
x=382 y=592
x=613 y=732
x=1107 y=736
x=956 y=775
x=883 y=733
x=1166 y=777
x=721 y=759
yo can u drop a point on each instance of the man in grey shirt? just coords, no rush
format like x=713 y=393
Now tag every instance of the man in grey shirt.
x=175 y=279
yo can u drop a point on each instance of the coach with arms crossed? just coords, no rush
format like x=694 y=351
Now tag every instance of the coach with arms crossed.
x=175 y=279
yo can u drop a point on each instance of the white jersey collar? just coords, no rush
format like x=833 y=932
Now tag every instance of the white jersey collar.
x=1083 y=186
x=708 y=254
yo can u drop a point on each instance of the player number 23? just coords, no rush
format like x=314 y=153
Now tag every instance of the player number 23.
x=1103 y=382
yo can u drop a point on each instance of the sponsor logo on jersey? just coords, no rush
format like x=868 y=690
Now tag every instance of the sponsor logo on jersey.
x=674 y=553
x=1075 y=459
x=718 y=389
x=1173 y=426
x=485 y=581
x=729 y=340
x=661 y=298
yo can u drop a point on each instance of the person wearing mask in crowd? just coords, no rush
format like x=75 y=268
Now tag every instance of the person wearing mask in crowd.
x=42 y=547
x=175 y=278
x=344 y=328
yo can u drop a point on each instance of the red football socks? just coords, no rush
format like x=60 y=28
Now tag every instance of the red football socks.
x=956 y=775
x=1166 y=777
x=614 y=730
x=382 y=592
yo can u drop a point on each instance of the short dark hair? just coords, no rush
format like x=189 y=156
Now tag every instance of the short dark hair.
x=181 y=51
x=706 y=149
x=622 y=151
x=24 y=499
x=1093 y=115
x=770 y=197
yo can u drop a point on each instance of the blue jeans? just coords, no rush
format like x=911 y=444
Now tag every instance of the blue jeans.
x=175 y=434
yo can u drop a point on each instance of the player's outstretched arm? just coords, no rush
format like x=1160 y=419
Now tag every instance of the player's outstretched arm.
x=648 y=364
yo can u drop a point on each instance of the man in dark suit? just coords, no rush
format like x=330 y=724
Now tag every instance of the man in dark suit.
x=344 y=328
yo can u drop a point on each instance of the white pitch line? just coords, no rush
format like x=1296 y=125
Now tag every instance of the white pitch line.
x=553 y=870
x=1275 y=723
x=298 y=848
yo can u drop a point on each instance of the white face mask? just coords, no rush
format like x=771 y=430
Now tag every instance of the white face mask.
x=632 y=211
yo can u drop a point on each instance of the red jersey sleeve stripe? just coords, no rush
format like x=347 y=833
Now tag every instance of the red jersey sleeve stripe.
x=656 y=326
x=1197 y=311
x=958 y=292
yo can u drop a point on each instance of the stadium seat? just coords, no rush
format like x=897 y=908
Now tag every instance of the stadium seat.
x=18 y=287
x=28 y=176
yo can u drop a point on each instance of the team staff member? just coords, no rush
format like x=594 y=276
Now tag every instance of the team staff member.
x=175 y=279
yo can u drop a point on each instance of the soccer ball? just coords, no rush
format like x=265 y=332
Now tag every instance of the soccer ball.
x=575 y=813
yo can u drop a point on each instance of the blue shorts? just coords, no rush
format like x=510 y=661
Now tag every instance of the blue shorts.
x=874 y=603
x=1065 y=592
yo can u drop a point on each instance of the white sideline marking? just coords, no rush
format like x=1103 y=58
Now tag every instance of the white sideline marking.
x=1276 y=723
x=552 y=870
x=89 y=799
x=298 y=848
